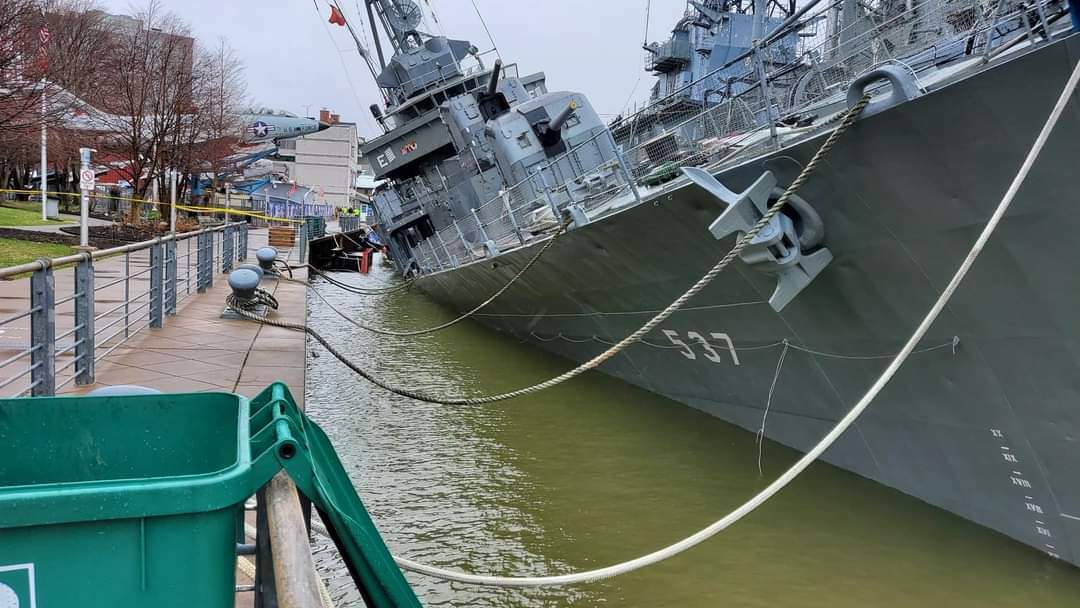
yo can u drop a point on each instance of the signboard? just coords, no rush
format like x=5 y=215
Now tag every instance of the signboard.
x=86 y=179
x=17 y=586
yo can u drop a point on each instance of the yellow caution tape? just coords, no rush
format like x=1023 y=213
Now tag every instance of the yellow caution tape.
x=189 y=208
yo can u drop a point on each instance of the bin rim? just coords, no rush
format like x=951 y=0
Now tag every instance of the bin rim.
x=100 y=500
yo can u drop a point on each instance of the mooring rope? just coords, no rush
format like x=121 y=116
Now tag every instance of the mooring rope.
x=849 y=119
x=477 y=308
x=360 y=291
x=827 y=441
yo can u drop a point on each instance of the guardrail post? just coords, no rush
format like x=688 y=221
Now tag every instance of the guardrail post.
x=170 y=277
x=204 y=261
x=227 y=239
x=480 y=226
x=243 y=246
x=84 y=321
x=303 y=241
x=43 y=333
x=624 y=166
x=446 y=250
x=763 y=79
x=157 y=270
x=464 y=243
x=505 y=196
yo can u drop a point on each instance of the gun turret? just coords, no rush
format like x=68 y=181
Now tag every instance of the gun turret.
x=550 y=133
x=491 y=102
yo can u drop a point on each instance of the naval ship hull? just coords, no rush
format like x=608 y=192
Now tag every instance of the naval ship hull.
x=983 y=421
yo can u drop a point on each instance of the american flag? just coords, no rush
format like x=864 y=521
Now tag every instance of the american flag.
x=44 y=36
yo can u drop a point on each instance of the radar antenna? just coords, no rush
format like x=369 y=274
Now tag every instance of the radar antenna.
x=403 y=16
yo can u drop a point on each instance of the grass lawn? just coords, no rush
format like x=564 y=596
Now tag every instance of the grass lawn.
x=14 y=251
x=24 y=217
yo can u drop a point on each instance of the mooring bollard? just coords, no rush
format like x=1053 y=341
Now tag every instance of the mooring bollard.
x=252 y=267
x=266 y=257
x=244 y=282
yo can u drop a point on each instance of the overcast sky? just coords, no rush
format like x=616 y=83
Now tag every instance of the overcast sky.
x=299 y=62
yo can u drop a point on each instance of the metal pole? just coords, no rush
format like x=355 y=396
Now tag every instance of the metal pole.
x=44 y=156
x=446 y=250
x=172 y=200
x=483 y=233
x=625 y=168
x=464 y=243
x=228 y=200
x=187 y=281
x=170 y=278
x=303 y=241
x=127 y=293
x=43 y=333
x=243 y=246
x=759 y=63
x=157 y=270
x=201 y=262
x=991 y=28
x=434 y=254
x=84 y=321
x=84 y=198
x=227 y=240
x=510 y=212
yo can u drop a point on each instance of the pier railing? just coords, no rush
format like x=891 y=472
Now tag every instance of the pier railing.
x=784 y=89
x=83 y=307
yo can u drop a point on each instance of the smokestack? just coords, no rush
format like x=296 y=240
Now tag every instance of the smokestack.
x=324 y=116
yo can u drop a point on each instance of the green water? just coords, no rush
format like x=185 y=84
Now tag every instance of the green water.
x=595 y=472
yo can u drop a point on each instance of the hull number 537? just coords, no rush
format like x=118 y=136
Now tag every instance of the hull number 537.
x=696 y=339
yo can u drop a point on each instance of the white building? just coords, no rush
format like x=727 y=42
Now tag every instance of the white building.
x=325 y=161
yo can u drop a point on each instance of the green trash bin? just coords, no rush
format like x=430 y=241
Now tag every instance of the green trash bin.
x=110 y=502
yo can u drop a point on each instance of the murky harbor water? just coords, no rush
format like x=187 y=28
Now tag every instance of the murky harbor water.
x=595 y=472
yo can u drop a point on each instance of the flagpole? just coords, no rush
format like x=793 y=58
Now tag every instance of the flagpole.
x=43 y=38
x=44 y=156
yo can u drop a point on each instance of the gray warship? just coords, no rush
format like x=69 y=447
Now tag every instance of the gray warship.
x=484 y=164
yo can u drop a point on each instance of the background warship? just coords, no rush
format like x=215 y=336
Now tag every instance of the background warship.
x=484 y=163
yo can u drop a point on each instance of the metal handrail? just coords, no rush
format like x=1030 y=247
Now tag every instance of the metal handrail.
x=54 y=362
x=11 y=271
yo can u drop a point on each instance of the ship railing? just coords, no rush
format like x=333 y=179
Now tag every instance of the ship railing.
x=654 y=142
x=81 y=308
x=679 y=131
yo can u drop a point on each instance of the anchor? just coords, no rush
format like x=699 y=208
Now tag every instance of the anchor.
x=775 y=250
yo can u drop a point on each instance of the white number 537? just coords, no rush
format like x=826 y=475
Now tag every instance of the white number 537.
x=698 y=339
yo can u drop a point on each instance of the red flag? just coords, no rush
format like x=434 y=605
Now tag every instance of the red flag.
x=335 y=16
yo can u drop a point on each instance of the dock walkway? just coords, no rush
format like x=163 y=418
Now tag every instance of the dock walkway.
x=198 y=351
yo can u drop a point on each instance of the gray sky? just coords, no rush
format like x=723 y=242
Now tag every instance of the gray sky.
x=297 y=61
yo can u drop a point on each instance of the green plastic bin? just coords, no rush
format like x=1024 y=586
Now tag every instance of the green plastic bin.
x=110 y=502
